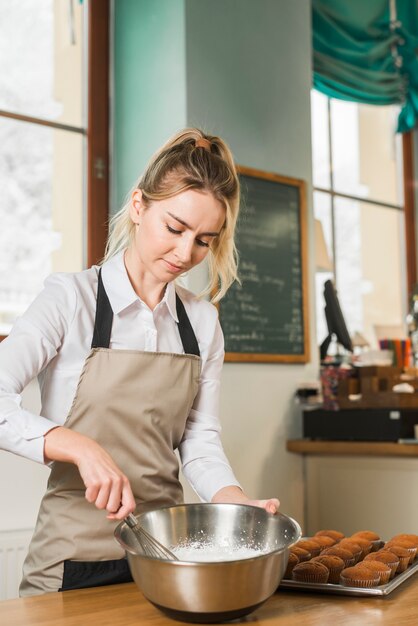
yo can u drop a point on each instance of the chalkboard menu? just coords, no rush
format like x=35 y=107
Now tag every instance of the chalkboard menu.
x=265 y=318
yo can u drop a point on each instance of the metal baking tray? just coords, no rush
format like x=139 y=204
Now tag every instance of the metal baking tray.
x=382 y=590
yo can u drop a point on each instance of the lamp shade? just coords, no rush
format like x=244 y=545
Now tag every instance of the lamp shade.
x=322 y=259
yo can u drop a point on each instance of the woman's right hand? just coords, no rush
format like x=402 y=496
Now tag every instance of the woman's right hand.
x=106 y=485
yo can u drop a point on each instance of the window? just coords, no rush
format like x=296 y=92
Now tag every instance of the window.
x=358 y=197
x=53 y=144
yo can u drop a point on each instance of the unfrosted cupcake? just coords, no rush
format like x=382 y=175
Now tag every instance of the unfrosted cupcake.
x=359 y=577
x=407 y=537
x=353 y=547
x=335 y=565
x=310 y=546
x=324 y=541
x=385 y=557
x=292 y=561
x=310 y=572
x=334 y=534
x=403 y=556
x=365 y=545
x=382 y=569
x=371 y=536
x=403 y=543
x=344 y=554
x=303 y=555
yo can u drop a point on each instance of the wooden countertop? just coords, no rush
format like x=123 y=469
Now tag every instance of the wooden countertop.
x=354 y=448
x=124 y=605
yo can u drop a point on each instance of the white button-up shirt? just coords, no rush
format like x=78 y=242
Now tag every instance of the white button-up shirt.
x=53 y=338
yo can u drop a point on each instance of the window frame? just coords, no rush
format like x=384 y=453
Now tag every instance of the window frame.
x=408 y=208
x=96 y=166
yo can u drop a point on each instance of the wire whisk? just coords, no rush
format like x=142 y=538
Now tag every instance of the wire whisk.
x=150 y=546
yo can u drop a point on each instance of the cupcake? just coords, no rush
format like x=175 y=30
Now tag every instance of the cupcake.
x=385 y=557
x=403 y=543
x=365 y=545
x=382 y=569
x=324 y=541
x=344 y=554
x=292 y=561
x=310 y=572
x=371 y=536
x=403 y=556
x=303 y=555
x=353 y=547
x=359 y=577
x=407 y=537
x=334 y=534
x=310 y=546
x=335 y=565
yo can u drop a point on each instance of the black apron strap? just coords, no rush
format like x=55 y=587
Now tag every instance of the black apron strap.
x=84 y=574
x=188 y=338
x=104 y=317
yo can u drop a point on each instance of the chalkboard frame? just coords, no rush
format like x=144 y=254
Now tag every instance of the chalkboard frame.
x=302 y=215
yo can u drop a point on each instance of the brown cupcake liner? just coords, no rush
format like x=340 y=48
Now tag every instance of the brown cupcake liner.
x=334 y=576
x=347 y=582
x=393 y=567
x=403 y=564
x=413 y=554
x=384 y=576
x=310 y=579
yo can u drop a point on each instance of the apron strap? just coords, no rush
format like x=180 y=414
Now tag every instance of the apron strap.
x=187 y=336
x=104 y=319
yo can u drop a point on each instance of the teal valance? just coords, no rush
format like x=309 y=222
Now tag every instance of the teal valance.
x=367 y=51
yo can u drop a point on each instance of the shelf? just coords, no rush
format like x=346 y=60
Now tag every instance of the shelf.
x=352 y=448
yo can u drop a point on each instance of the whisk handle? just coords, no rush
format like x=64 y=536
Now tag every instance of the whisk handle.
x=131 y=521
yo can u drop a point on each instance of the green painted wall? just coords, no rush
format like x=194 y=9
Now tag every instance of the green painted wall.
x=249 y=79
x=149 y=93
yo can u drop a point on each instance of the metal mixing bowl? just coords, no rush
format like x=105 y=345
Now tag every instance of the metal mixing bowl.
x=211 y=591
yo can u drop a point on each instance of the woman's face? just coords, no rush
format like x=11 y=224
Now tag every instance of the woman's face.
x=174 y=235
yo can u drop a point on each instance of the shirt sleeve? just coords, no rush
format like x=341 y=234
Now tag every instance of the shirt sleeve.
x=205 y=464
x=33 y=342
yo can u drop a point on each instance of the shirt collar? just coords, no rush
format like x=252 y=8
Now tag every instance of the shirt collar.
x=170 y=300
x=120 y=292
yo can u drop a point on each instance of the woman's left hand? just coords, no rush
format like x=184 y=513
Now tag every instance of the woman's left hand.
x=235 y=495
x=271 y=505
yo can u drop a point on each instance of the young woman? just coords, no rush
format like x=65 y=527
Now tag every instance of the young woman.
x=129 y=367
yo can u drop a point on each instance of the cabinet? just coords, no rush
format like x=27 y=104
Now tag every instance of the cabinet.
x=352 y=486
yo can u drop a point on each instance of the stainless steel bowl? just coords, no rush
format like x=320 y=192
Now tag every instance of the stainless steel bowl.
x=211 y=591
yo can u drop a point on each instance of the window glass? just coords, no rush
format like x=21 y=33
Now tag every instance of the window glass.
x=41 y=59
x=41 y=211
x=367 y=237
x=369 y=248
x=320 y=140
x=366 y=152
x=322 y=211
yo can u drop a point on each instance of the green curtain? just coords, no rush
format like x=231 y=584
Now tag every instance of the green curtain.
x=367 y=51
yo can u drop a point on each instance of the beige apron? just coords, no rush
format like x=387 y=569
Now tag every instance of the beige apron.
x=135 y=405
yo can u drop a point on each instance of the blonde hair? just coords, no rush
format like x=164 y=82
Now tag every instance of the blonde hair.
x=189 y=160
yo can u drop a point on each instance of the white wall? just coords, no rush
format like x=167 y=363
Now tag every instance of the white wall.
x=22 y=482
